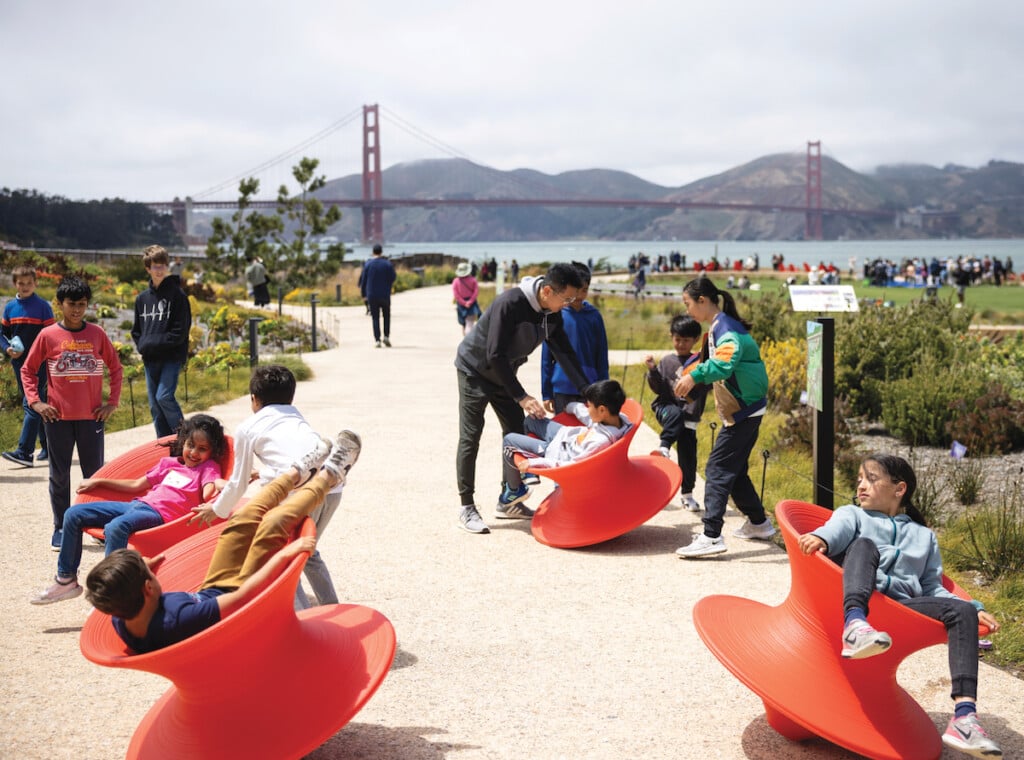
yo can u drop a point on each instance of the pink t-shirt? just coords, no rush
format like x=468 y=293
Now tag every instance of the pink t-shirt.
x=175 y=488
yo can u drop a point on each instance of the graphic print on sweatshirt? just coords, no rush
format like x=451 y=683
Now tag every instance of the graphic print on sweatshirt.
x=77 y=359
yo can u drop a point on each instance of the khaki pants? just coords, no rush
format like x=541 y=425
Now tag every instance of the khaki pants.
x=261 y=528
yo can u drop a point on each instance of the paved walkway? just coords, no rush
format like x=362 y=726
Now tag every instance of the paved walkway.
x=507 y=648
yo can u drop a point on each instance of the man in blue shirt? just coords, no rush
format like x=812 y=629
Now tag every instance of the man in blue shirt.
x=375 y=283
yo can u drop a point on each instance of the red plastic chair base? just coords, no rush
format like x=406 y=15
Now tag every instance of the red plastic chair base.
x=789 y=655
x=134 y=464
x=606 y=495
x=262 y=683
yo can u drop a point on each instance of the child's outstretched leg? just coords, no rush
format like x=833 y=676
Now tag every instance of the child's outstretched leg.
x=237 y=538
x=275 y=529
x=860 y=640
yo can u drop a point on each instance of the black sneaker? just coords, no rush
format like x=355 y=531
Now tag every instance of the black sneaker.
x=510 y=504
x=55 y=539
x=18 y=458
x=344 y=454
x=42 y=456
x=387 y=341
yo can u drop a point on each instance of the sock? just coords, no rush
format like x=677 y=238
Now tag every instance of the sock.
x=854 y=613
x=964 y=708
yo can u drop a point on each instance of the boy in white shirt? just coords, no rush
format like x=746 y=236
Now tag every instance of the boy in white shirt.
x=273 y=434
x=557 y=444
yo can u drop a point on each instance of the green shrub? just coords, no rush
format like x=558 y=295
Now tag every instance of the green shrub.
x=915 y=408
x=879 y=345
x=990 y=423
x=772 y=317
x=990 y=539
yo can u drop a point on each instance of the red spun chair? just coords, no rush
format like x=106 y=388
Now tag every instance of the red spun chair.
x=134 y=464
x=606 y=495
x=789 y=655
x=263 y=682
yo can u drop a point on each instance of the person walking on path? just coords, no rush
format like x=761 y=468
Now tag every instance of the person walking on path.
x=465 y=291
x=256 y=278
x=731 y=361
x=519 y=320
x=375 y=282
x=24 y=317
x=163 y=317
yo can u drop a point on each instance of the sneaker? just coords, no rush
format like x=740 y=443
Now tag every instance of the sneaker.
x=702 y=546
x=42 y=456
x=531 y=479
x=58 y=592
x=309 y=464
x=377 y=344
x=967 y=735
x=55 y=539
x=470 y=520
x=387 y=341
x=662 y=452
x=344 y=454
x=689 y=502
x=860 y=640
x=760 y=532
x=510 y=506
x=18 y=458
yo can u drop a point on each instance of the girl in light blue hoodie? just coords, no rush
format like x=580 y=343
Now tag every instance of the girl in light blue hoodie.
x=885 y=546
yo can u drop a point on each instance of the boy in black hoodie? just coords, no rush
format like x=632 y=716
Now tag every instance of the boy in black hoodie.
x=518 y=321
x=162 y=320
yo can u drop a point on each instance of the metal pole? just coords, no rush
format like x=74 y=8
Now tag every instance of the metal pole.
x=824 y=418
x=254 y=341
x=312 y=303
x=337 y=292
x=280 y=298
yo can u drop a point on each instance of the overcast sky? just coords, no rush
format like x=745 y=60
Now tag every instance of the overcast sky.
x=148 y=101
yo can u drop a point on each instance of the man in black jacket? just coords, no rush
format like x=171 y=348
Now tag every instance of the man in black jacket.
x=518 y=321
x=162 y=321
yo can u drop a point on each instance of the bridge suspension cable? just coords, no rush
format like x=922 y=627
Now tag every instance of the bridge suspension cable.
x=290 y=153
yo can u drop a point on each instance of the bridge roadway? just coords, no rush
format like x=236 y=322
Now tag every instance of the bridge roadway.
x=507 y=648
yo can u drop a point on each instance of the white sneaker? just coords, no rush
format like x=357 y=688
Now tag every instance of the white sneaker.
x=689 y=502
x=702 y=546
x=344 y=453
x=760 y=532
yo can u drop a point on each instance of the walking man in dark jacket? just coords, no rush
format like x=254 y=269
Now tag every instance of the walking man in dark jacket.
x=519 y=320
x=162 y=321
x=375 y=283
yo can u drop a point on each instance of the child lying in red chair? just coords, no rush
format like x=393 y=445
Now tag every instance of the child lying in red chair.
x=557 y=444
x=250 y=552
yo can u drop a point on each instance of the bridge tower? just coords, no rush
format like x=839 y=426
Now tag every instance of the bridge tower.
x=373 y=215
x=812 y=223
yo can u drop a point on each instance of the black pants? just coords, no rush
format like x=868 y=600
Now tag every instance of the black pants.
x=475 y=394
x=377 y=306
x=674 y=430
x=860 y=564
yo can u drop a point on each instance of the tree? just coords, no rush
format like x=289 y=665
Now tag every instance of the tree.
x=304 y=216
x=245 y=237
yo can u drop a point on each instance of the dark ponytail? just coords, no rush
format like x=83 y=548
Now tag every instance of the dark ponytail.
x=703 y=286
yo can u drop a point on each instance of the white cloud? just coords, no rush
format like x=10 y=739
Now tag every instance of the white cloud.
x=118 y=98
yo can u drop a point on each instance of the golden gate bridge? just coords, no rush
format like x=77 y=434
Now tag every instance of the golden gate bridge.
x=373 y=203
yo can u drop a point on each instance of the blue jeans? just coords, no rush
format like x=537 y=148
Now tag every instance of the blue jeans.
x=32 y=424
x=725 y=474
x=514 y=443
x=860 y=563
x=161 y=385
x=119 y=519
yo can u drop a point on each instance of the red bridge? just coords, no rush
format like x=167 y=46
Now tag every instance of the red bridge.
x=373 y=203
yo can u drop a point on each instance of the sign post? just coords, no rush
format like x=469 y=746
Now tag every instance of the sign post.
x=821 y=375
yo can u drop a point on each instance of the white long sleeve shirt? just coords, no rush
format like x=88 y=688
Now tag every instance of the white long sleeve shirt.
x=277 y=435
x=573 y=443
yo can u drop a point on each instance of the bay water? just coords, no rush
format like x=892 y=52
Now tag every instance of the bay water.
x=617 y=253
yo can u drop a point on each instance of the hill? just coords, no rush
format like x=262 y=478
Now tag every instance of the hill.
x=952 y=201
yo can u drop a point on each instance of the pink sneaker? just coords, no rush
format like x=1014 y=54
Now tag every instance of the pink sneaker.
x=58 y=592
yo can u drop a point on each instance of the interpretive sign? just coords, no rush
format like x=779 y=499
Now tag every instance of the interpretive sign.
x=823 y=298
